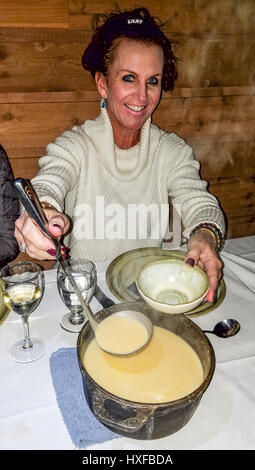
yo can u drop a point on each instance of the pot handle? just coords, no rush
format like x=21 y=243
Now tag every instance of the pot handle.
x=135 y=417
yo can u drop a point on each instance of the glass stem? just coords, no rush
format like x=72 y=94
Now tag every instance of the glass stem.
x=27 y=340
x=77 y=315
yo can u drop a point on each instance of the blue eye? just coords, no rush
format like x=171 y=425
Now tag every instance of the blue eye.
x=152 y=81
x=128 y=78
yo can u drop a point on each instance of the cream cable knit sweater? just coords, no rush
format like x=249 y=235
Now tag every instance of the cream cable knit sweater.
x=114 y=209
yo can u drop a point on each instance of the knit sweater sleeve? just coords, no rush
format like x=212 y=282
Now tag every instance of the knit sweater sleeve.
x=186 y=188
x=60 y=168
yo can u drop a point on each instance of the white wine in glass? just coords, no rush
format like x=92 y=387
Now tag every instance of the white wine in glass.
x=22 y=285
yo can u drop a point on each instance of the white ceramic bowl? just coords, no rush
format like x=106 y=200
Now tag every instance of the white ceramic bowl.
x=171 y=286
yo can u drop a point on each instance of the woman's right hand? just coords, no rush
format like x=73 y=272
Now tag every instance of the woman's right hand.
x=37 y=244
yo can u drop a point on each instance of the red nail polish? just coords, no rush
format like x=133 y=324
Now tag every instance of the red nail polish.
x=52 y=252
x=190 y=262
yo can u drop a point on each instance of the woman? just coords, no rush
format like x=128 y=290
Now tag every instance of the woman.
x=108 y=172
x=9 y=211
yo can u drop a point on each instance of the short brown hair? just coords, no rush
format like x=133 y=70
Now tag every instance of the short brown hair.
x=136 y=24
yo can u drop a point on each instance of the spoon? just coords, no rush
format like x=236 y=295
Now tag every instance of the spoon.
x=225 y=328
x=31 y=202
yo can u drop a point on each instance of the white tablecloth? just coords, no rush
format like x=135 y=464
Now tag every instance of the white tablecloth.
x=225 y=418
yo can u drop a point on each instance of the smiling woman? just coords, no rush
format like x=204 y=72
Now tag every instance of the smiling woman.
x=124 y=160
x=132 y=88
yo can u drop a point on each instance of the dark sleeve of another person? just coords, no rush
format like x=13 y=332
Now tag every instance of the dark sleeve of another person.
x=9 y=211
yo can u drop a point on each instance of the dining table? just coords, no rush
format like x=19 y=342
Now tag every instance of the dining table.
x=31 y=417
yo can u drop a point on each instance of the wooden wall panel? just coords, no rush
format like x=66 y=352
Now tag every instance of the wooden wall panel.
x=52 y=62
x=219 y=115
x=24 y=167
x=237 y=198
x=203 y=121
x=36 y=13
x=225 y=159
x=26 y=128
x=44 y=66
x=179 y=16
x=208 y=61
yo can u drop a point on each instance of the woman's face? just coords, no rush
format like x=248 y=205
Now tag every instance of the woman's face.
x=132 y=87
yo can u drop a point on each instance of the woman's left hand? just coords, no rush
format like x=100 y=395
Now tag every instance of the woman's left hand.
x=201 y=251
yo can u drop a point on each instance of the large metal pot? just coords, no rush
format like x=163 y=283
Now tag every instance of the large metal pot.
x=147 y=420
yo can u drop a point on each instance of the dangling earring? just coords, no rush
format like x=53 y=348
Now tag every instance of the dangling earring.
x=103 y=103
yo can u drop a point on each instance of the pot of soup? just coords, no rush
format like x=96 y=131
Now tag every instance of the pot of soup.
x=152 y=393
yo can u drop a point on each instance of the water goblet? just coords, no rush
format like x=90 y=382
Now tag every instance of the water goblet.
x=84 y=273
x=22 y=286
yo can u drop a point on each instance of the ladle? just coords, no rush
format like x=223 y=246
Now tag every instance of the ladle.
x=31 y=203
x=225 y=328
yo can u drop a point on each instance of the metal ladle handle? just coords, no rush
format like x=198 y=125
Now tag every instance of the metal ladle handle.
x=31 y=203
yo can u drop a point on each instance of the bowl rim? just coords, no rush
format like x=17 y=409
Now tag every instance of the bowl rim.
x=171 y=261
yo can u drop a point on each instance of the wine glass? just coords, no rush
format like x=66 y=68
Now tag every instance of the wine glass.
x=84 y=273
x=22 y=285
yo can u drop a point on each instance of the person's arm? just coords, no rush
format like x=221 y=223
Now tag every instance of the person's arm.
x=60 y=168
x=203 y=220
x=59 y=172
x=9 y=211
x=186 y=188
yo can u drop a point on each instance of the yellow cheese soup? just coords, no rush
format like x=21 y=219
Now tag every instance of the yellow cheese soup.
x=121 y=335
x=167 y=369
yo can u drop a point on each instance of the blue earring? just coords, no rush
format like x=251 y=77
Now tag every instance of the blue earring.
x=103 y=104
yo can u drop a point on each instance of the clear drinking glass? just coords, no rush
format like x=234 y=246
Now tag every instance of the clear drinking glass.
x=23 y=286
x=84 y=273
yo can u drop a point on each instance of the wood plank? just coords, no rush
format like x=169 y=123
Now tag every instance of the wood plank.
x=62 y=96
x=26 y=128
x=237 y=196
x=86 y=95
x=214 y=107
x=171 y=111
x=210 y=120
x=24 y=167
x=193 y=16
x=213 y=116
x=43 y=66
x=241 y=227
x=215 y=62
x=237 y=199
x=39 y=13
x=16 y=34
x=46 y=65
x=225 y=159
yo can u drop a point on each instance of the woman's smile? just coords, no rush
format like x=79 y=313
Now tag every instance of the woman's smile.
x=135 y=108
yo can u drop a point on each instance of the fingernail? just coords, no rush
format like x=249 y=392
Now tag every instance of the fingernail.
x=64 y=248
x=52 y=252
x=190 y=262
